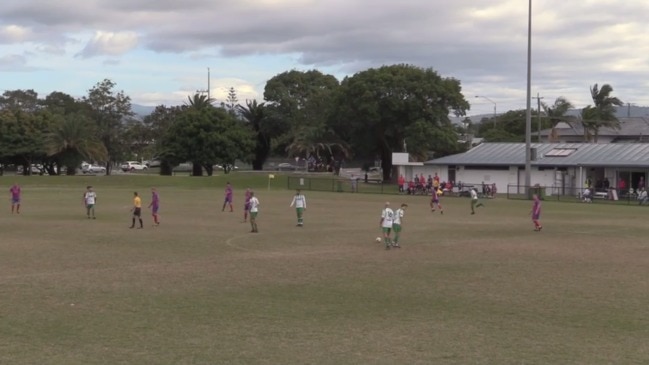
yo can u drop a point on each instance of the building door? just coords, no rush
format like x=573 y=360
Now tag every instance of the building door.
x=451 y=174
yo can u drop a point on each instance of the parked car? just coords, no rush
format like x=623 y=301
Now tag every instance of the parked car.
x=132 y=166
x=228 y=166
x=286 y=166
x=36 y=169
x=92 y=169
x=153 y=163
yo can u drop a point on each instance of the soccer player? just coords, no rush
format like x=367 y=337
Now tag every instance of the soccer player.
x=536 y=212
x=387 y=218
x=155 y=206
x=396 y=224
x=254 y=210
x=228 y=197
x=15 y=198
x=434 y=201
x=137 y=211
x=474 y=200
x=246 y=207
x=89 y=200
x=299 y=201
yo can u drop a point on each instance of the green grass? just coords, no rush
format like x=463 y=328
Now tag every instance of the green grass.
x=201 y=289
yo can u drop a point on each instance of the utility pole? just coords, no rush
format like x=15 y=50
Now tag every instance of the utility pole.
x=538 y=98
x=528 y=116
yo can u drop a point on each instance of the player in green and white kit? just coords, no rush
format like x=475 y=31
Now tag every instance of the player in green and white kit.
x=387 y=217
x=475 y=203
x=299 y=201
x=396 y=224
x=254 y=211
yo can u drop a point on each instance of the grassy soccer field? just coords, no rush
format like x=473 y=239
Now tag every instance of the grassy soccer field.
x=201 y=289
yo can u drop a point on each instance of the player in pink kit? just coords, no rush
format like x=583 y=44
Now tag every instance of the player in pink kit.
x=536 y=213
x=15 y=198
x=155 y=206
x=246 y=207
x=228 y=197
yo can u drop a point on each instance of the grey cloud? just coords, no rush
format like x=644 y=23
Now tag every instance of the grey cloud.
x=575 y=43
x=14 y=63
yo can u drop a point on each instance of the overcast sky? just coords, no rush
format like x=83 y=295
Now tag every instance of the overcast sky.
x=158 y=51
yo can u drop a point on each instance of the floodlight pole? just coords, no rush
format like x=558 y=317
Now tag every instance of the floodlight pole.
x=528 y=116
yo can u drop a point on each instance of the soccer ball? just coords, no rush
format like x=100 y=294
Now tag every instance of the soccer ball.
x=378 y=239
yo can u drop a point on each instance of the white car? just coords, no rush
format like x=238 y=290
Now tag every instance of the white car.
x=132 y=166
x=92 y=169
x=286 y=166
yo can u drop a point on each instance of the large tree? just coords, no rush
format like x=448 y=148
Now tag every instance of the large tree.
x=381 y=108
x=299 y=103
x=255 y=115
x=22 y=137
x=205 y=137
x=74 y=138
x=109 y=109
x=158 y=123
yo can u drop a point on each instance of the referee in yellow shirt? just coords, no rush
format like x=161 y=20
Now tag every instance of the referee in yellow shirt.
x=137 y=210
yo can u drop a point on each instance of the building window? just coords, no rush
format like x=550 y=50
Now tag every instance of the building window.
x=560 y=152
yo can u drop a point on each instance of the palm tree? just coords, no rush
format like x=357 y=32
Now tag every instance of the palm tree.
x=557 y=113
x=255 y=115
x=199 y=101
x=73 y=139
x=321 y=144
x=603 y=114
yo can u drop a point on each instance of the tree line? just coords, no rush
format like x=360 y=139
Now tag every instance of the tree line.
x=366 y=116
x=510 y=126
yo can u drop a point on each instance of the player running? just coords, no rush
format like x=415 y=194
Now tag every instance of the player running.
x=475 y=203
x=387 y=218
x=137 y=211
x=299 y=201
x=434 y=201
x=536 y=213
x=89 y=201
x=15 y=198
x=155 y=206
x=396 y=224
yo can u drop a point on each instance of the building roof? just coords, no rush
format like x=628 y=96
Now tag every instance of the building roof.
x=552 y=154
x=629 y=127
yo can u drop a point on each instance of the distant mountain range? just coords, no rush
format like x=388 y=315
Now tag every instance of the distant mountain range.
x=622 y=112
x=142 y=110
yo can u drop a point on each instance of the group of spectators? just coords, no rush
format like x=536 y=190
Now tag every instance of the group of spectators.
x=621 y=188
x=421 y=185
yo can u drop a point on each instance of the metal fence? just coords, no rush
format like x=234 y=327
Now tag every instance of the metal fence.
x=576 y=195
x=341 y=185
x=347 y=185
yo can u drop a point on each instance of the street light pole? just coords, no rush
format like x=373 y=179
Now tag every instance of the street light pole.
x=538 y=116
x=528 y=116
x=491 y=101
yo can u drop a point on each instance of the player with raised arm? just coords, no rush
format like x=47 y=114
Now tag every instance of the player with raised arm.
x=434 y=200
x=299 y=201
x=387 y=218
